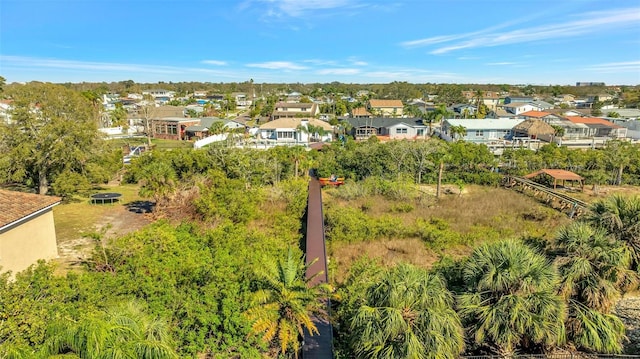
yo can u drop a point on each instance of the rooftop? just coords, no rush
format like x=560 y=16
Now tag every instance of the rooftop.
x=385 y=103
x=19 y=205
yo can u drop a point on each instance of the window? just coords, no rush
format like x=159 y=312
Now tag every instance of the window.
x=421 y=132
x=159 y=129
x=285 y=135
x=172 y=129
x=479 y=133
x=401 y=130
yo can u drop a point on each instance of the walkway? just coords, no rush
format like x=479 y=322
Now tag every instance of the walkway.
x=563 y=202
x=320 y=345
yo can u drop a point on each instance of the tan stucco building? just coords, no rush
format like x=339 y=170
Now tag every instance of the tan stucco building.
x=386 y=108
x=27 y=231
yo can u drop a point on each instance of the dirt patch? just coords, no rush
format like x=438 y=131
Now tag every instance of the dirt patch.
x=628 y=310
x=109 y=221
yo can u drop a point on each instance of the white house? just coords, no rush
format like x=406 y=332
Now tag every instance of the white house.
x=295 y=131
x=483 y=130
x=517 y=108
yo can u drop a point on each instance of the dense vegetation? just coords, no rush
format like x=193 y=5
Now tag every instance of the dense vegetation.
x=222 y=276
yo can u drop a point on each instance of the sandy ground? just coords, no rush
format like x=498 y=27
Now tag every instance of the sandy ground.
x=119 y=220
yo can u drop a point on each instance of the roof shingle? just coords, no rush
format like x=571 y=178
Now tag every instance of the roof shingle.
x=18 y=205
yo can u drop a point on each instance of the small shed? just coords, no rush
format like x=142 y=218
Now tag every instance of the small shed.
x=533 y=128
x=557 y=175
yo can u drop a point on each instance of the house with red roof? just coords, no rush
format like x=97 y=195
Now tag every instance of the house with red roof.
x=539 y=115
x=27 y=230
x=599 y=127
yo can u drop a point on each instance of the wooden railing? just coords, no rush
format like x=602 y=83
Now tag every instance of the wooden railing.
x=573 y=206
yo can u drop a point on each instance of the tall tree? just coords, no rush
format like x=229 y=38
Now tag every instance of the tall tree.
x=511 y=301
x=53 y=131
x=620 y=155
x=283 y=306
x=407 y=314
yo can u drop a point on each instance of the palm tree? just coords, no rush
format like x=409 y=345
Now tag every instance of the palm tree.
x=594 y=268
x=437 y=115
x=408 y=314
x=511 y=300
x=458 y=131
x=125 y=331
x=158 y=179
x=619 y=216
x=283 y=306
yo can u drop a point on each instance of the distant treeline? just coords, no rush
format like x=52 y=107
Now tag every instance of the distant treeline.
x=396 y=90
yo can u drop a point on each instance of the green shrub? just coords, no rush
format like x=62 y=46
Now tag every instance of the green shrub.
x=401 y=208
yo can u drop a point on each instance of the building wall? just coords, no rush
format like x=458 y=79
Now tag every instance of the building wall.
x=401 y=132
x=26 y=243
x=389 y=111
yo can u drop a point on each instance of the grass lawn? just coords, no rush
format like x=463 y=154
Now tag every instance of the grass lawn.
x=78 y=216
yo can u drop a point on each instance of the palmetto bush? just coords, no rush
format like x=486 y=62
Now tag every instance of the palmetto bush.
x=511 y=299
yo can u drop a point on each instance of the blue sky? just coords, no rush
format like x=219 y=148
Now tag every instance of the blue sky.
x=352 y=41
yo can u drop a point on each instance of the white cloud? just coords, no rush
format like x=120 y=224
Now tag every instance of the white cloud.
x=590 y=22
x=36 y=64
x=24 y=61
x=628 y=66
x=214 y=62
x=503 y=63
x=319 y=62
x=298 y=8
x=277 y=65
x=340 y=71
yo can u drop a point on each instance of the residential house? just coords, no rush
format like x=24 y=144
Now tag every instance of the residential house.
x=294 y=97
x=566 y=99
x=167 y=111
x=291 y=110
x=172 y=128
x=295 y=131
x=491 y=99
x=159 y=95
x=484 y=130
x=386 y=108
x=464 y=110
x=27 y=230
x=540 y=105
x=599 y=127
x=512 y=99
x=207 y=127
x=601 y=97
x=623 y=113
x=391 y=128
x=242 y=101
x=539 y=115
x=517 y=108
x=360 y=112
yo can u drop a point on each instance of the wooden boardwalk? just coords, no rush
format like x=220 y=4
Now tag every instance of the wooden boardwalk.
x=320 y=345
x=561 y=201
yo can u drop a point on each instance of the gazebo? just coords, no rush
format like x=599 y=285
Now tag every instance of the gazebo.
x=558 y=175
